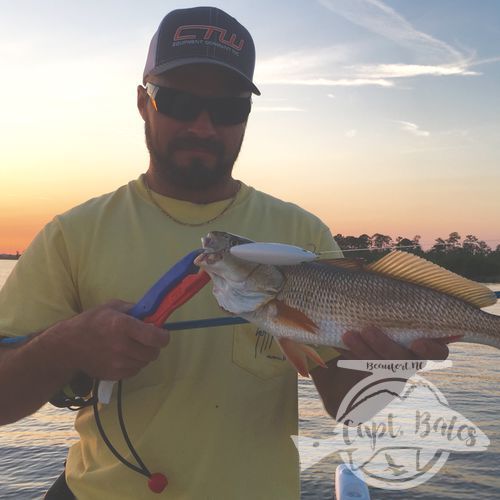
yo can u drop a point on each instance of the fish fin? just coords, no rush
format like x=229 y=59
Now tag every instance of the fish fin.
x=313 y=355
x=293 y=317
x=413 y=269
x=297 y=354
x=353 y=264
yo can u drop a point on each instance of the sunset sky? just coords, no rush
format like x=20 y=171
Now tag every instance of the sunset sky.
x=378 y=116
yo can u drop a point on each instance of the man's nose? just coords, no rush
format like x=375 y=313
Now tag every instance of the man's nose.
x=202 y=125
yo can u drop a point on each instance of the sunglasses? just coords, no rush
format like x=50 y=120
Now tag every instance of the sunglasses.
x=185 y=107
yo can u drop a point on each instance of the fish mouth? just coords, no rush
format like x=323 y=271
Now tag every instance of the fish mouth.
x=220 y=240
x=213 y=243
x=211 y=253
x=208 y=258
x=216 y=245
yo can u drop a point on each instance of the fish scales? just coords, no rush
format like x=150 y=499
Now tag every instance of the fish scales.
x=339 y=300
x=283 y=300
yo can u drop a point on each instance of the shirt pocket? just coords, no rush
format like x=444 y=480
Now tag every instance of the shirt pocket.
x=258 y=353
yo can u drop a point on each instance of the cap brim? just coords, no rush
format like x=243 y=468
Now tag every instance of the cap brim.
x=162 y=68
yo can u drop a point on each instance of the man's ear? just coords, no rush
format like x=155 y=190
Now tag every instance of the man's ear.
x=142 y=101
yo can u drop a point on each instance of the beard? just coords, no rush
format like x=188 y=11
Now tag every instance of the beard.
x=196 y=175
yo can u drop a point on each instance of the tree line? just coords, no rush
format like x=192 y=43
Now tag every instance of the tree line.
x=9 y=256
x=470 y=256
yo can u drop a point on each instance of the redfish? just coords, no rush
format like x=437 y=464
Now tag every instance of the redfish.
x=403 y=295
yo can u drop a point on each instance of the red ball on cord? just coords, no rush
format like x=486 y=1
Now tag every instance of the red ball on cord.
x=157 y=482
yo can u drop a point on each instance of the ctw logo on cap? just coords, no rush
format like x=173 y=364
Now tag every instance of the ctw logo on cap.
x=205 y=32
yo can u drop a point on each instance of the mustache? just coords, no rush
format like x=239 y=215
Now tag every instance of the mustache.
x=197 y=143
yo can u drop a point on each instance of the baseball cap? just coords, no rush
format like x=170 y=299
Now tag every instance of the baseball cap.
x=206 y=35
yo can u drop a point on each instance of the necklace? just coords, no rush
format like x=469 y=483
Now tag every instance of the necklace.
x=182 y=223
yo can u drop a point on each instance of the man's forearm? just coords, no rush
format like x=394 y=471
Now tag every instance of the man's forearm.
x=104 y=343
x=32 y=373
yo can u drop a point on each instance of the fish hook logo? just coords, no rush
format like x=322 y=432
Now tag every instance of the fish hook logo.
x=395 y=430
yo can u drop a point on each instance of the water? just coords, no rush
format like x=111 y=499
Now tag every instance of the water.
x=33 y=450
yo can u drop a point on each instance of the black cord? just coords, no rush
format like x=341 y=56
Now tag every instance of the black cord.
x=144 y=471
x=124 y=430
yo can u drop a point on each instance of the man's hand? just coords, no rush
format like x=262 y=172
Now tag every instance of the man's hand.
x=106 y=343
x=334 y=382
x=372 y=343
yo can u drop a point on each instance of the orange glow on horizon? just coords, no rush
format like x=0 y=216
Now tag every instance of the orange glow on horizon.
x=19 y=223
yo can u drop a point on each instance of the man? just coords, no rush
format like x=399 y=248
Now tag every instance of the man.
x=212 y=409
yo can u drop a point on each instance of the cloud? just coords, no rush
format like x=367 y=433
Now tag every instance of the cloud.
x=412 y=128
x=350 y=134
x=302 y=62
x=488 y=60
x=379 y=18
x=309 y=67
x=411 y=70
x=312 y=68
x=276 y=108
x=326 y=82
x=332 y=66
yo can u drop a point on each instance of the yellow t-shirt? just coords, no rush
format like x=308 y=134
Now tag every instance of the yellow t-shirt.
x=216 y=410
